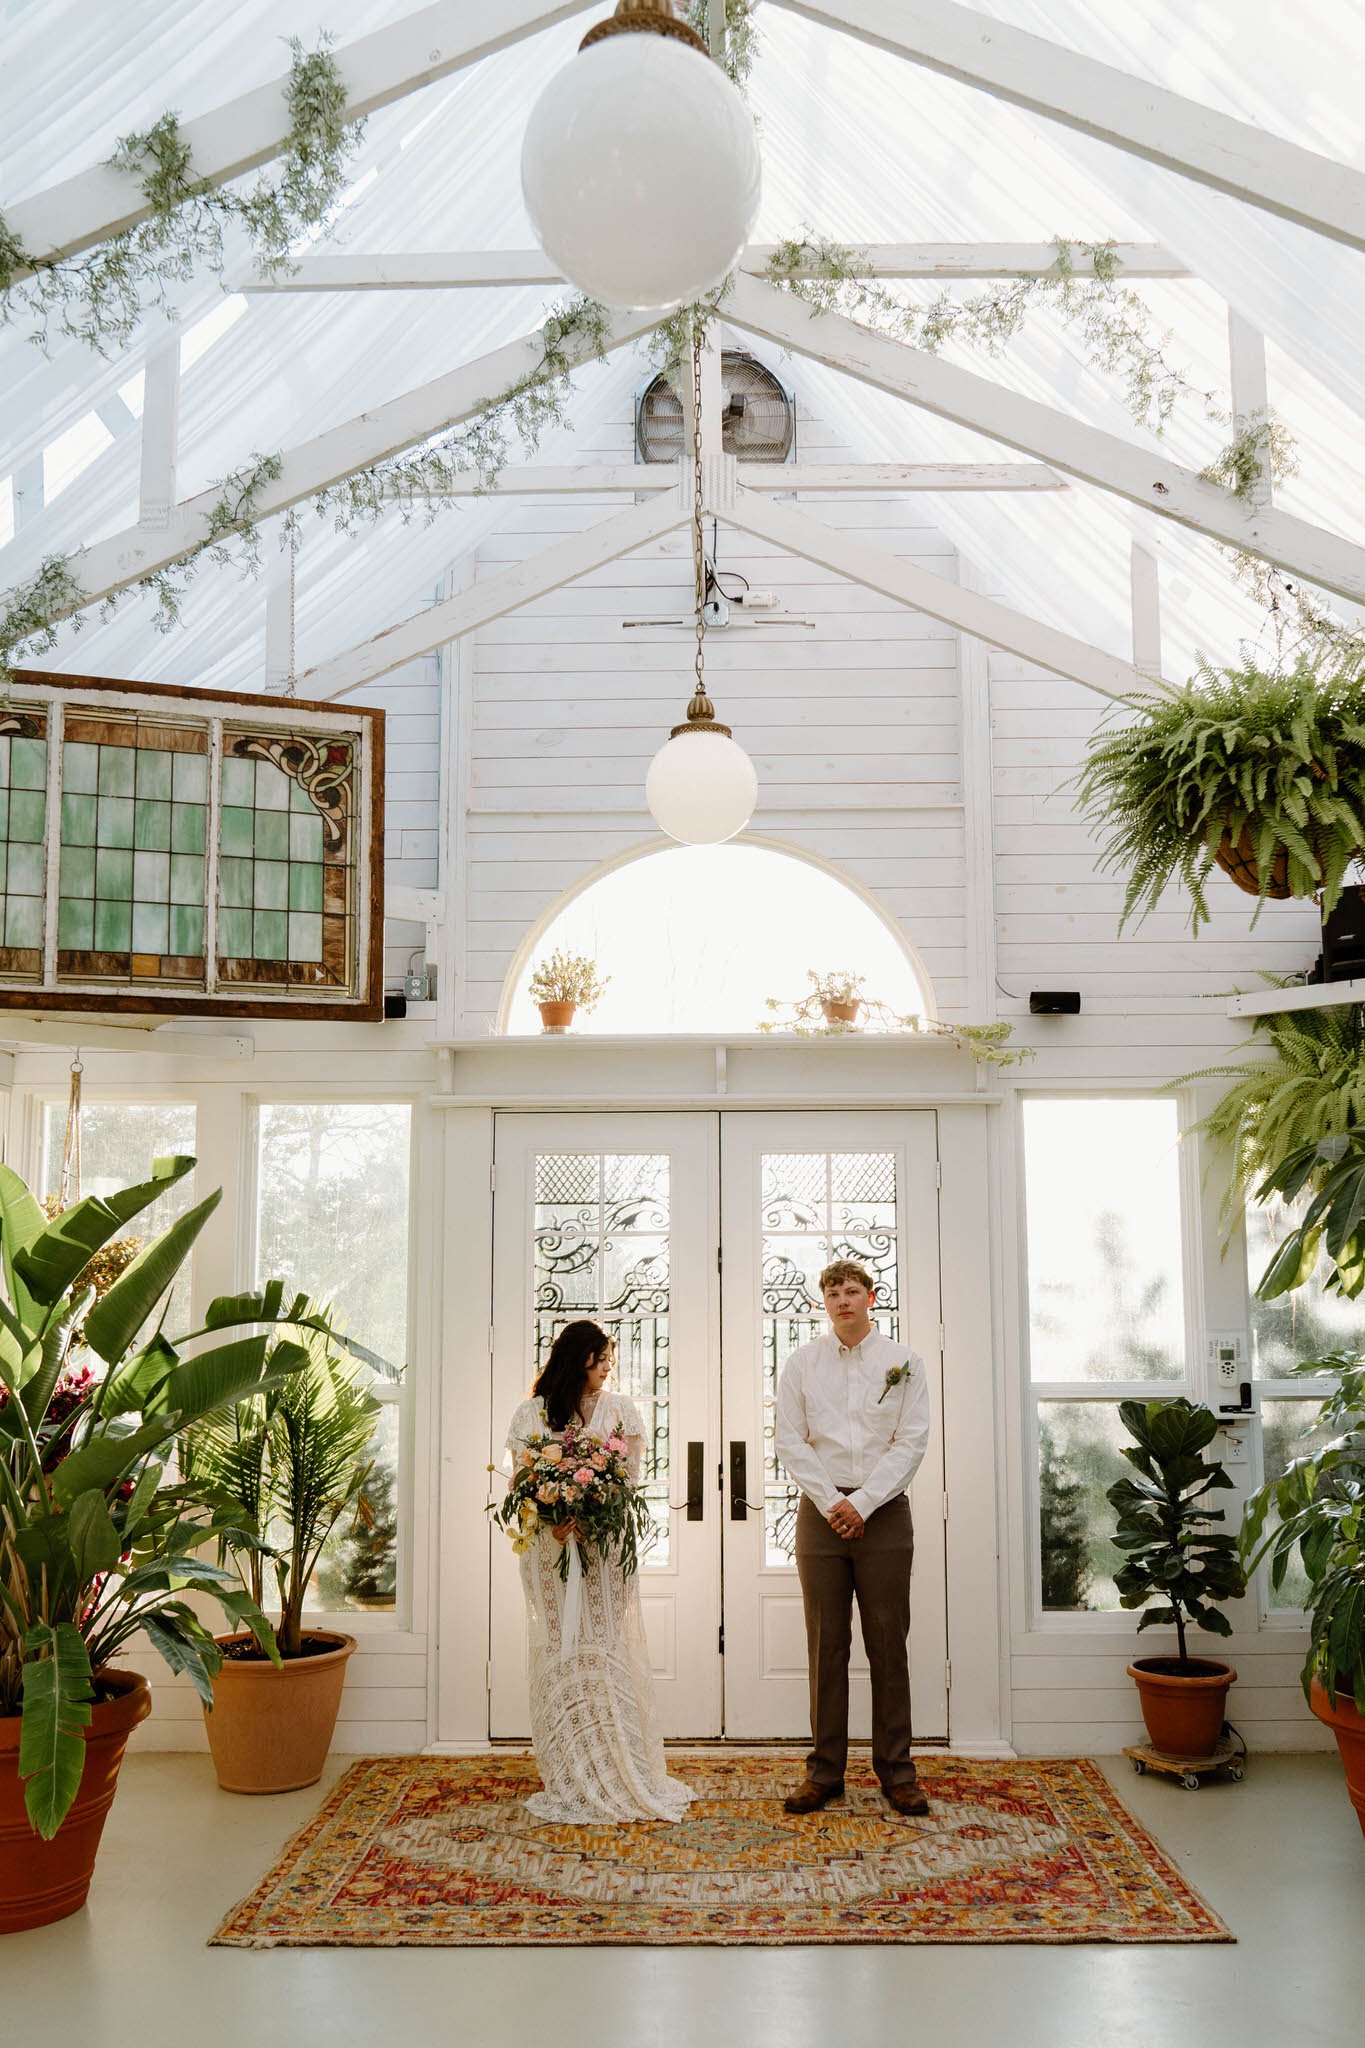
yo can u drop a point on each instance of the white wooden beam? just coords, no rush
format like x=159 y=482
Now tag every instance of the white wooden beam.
x=985 y=618
x=1098 y=99
x=1145 y=582
x=1133 y=472
x=337 y=270
x=160 y=436
x=387 y=429
x=1250 y=390
x=1315 y=995
x=563 y=562
x=430 y=44
x=596 y=479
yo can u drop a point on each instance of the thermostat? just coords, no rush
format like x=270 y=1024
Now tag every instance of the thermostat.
x=1227 y=1353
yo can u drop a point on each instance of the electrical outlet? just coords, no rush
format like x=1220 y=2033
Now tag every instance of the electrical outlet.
x=415 y=987
x=1227 y=1353
x=1234 y=1451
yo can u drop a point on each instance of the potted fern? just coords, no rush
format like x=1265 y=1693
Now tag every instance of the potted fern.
x=283 y=1468
x=99 y=1544
x=1317 y=1507
x=1175 y=1561
x=563 y=984
x=1252 y=771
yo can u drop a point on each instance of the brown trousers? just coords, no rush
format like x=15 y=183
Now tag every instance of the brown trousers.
x=874 y=1570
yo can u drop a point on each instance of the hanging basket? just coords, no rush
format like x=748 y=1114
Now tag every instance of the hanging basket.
x=1237 y=858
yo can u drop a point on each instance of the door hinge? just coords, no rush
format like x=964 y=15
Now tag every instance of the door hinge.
x=720 y=1640
x=942 y=1339
x=490 y=1340
x=938 y=1173
x=720 y=1477
x=947 y=1674
x=945 y=1507
x=718 y=1259
x=488 y=1677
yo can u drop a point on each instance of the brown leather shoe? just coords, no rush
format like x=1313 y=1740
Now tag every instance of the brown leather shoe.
x=809 y=1797
x=907 y=1797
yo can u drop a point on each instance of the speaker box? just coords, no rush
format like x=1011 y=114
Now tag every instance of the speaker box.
x=1054 y=1002
x=1343 y=938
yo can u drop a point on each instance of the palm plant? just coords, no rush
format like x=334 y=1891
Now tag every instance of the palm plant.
x=96 y=1541
x=1244 y=768
x=1163 y=1521
x=287 y=1464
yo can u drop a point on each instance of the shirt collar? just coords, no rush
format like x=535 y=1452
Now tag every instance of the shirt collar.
x=857 y=1350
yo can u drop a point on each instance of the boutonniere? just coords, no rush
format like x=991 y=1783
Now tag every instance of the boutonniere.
x=893 y=1379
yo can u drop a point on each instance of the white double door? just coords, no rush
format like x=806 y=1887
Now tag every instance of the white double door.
x=697 y=1240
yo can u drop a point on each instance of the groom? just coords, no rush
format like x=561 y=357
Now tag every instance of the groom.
x=852 y=1427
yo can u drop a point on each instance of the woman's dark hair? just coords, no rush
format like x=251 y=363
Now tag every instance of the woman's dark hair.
x=564 y=1375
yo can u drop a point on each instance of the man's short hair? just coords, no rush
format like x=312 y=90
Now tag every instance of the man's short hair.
x=846 y=1269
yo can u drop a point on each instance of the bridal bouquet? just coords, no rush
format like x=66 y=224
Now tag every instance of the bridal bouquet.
x=582 y=1480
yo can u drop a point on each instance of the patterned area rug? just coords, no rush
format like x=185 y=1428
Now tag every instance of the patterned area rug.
x=439 y=1851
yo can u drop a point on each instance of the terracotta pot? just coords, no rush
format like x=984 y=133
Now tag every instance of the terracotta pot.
x=1348 y=1725
x=1184 y=1709
x=271 y=1727
x=556 y=1017
x=840 y=1013
x=44 y=1881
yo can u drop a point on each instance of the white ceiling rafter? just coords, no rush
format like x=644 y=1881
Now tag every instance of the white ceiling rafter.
x=1098 y=99
x=1144 y=477
x=431 y=44
x=599 y=479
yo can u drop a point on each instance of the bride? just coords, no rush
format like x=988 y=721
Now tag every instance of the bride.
x=594 y=1726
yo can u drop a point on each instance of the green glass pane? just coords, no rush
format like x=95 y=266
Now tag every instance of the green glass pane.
x=187 y=828
x=272 y=787
x=80 y=767
x=78 y=871
x=113 y=927
x=269 y=935
x=152 y=826
x=116 y=821
x=305 y=935
x=187 y=929
x=234 y=883
x=78 y=821
x=236 y=831
x=187 y=878
x=4 y=758
x=234 y=934
x=116 y=771
x=27 y=809
x=272 y=884
x=75 y=923
x=153 y=773
x=23 y=921
x=305 y=837
x=4 y=814
x=299 y=799
x=272 y=835
x=113 y=875
x=239 y=782
x=151 y=927
x=190 y=779
x=305 y=888
x=4 y=865
x=27 y=763
x=27 y=865
x=151 y=877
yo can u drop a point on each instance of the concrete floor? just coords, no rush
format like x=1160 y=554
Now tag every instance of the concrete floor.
x=1280 y=1857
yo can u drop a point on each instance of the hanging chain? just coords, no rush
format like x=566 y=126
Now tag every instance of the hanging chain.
x=291 y=679
x=69 y=1186
x=698 y=536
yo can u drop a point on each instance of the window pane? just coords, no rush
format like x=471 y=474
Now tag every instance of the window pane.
x=332 y=1214
x=119 y=1141
x=1287 y=1432
x=359 y=1563
x=1103 y=1210
x=1305 y=1322
x=1079 y=1445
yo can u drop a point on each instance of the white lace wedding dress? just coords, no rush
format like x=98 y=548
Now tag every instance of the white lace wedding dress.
x=594 y=1721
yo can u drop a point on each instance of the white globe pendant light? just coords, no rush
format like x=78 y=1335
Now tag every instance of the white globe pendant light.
x=701 y=787
x=640 y=165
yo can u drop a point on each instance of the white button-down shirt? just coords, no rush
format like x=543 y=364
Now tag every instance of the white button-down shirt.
x=834 y=1429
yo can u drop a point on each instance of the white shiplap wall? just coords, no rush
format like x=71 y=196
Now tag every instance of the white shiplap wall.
x=411 y=702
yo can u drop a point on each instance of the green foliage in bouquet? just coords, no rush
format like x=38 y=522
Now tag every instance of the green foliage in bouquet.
x=1164 y=1522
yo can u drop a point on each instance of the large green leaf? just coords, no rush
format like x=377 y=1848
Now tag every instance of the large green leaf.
x=56 y=1712
x=49 y=1262
x=95 y=1542
x=116 y=1319
x=186 y=1646
x=39 y=1389
x=106 y=1460
x=137 y=1384
x=227 y=1374
x=21 y=1221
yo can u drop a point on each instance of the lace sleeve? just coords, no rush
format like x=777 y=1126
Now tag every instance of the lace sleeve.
x=631 y=1424
x=525 y=1424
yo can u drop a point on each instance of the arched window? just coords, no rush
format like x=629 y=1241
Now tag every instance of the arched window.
x=697 y=938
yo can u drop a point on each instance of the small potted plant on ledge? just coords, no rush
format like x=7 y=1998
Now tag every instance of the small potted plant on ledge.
x=1174 y=1559
x=283 y=1469
x=97 y=1544
x=836 y=1003
x=1255 y=772
x=564 y=984
x=1317 y=1507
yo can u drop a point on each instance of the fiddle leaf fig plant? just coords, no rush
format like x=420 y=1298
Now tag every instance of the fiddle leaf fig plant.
x=1164 y=1521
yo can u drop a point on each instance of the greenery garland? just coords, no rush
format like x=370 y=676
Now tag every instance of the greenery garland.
x=99 y=296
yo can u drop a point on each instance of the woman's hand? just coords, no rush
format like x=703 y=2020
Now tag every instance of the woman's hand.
x=562 y=1531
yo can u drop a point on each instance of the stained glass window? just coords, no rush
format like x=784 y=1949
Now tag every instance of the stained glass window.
x=23 y=857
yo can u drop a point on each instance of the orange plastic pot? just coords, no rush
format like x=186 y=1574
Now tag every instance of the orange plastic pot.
x=1184 y=1708
x=271 y=1726
x=44 y=1881
x=1348 y=1725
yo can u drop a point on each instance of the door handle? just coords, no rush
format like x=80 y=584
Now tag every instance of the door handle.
x=740 y=1505
x=695 y=1502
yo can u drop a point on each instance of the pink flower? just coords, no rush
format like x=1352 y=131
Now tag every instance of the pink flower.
x=548 y=1494
x=599 y=1460
x=583 y=1476
x=616 y=1443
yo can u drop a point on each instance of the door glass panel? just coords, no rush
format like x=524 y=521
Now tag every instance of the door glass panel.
x=816 y=1207
x=602 y=1251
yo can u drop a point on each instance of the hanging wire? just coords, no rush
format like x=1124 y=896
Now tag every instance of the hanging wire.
x=291 y=680
x=69 y=1185
x=698 y=515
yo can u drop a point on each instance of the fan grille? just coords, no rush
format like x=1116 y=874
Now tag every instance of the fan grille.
x=758 y=421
